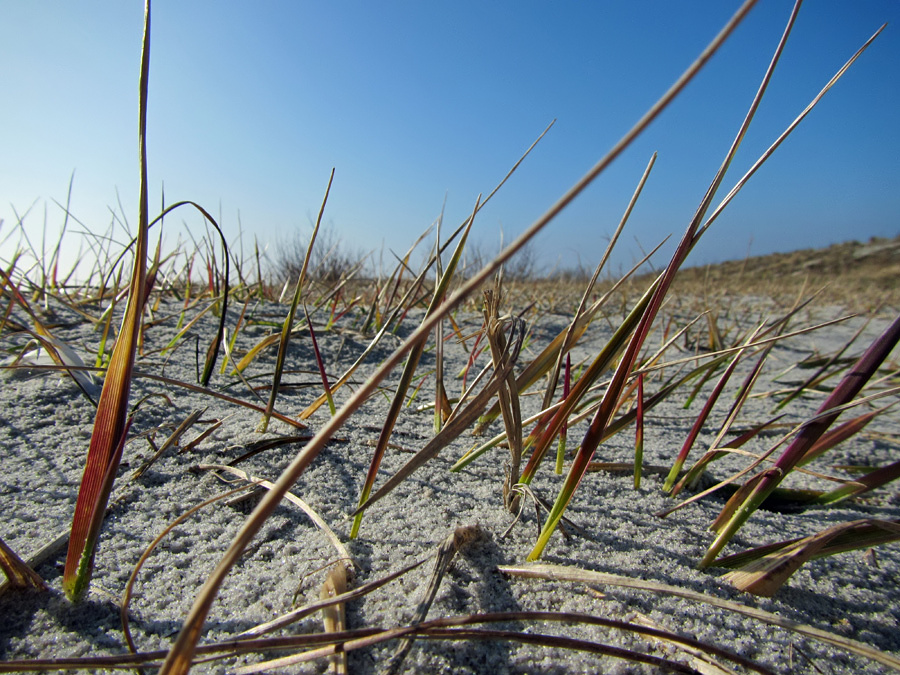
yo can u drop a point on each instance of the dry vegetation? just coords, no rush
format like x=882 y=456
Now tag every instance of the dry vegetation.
x=847 y=273
x=607 y=393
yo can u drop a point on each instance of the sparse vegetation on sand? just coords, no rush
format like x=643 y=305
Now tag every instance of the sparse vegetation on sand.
x=630 y=414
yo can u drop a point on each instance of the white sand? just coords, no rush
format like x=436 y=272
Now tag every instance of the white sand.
x=46 y=428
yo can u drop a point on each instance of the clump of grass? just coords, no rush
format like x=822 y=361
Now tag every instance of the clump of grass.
x=499 y=375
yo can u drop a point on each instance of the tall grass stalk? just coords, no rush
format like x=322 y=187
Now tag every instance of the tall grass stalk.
x=110 y=427
x=289 y=320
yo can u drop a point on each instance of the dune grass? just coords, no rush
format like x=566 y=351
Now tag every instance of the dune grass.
x=597 y=396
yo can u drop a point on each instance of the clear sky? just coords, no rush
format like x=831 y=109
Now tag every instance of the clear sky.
x=253 y=103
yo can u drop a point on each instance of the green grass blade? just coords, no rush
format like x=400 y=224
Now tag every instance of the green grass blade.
x=289 y=320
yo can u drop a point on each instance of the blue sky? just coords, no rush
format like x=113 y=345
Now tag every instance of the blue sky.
x=252 y=104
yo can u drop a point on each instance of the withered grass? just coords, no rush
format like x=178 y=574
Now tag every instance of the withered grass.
x=703 y=341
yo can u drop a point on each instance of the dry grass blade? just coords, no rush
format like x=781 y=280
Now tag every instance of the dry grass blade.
x=129 y=586
x=110 y=426
x=294 y=499
x=170 y=442
x=18 y=574
x=447 y=550
x=61 y=353
x=508 y=392
x=562 y=573
x=219 y=395
x=334 y=617
x=567 y=338
x=787 y=132
x=180 y=656
x=289 y=320
x=763 y=572
x=301 y=612
x=455 y=628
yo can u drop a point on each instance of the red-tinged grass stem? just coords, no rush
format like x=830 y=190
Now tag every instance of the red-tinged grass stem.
x=808 y=435
x=320 y=363
x=639 y=434
x=110 y=425
x=609 y=403
x=698 y=424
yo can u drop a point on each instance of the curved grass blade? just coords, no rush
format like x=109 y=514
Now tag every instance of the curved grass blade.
x=454 y=628
x=563 y=573
x=764 y=570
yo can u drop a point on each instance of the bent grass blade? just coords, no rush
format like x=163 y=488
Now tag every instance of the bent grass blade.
x=573 y=574
x=763 y=570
